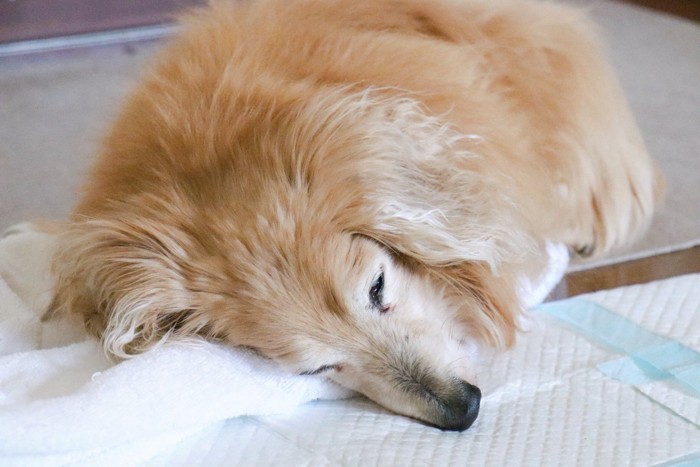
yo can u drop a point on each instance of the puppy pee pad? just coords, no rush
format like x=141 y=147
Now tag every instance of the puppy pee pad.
x=561 y=396
x=551 y=400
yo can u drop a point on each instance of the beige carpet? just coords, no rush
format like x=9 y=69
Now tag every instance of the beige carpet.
x=657 y=58
x=53 y=109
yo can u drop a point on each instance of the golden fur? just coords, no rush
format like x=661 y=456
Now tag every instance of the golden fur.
x=283 y=155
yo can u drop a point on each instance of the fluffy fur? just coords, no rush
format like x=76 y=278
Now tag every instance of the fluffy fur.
x=352 y=186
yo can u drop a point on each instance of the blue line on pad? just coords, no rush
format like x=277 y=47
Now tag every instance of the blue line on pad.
x=650 y=357
x=689 y=460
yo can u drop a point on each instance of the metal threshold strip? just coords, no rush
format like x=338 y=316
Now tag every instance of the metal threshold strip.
x=97 y=39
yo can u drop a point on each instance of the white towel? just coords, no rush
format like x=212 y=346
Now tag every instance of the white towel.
x=63 y=402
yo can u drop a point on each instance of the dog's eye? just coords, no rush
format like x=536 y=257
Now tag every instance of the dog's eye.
x=320 y=370
x=376 y=293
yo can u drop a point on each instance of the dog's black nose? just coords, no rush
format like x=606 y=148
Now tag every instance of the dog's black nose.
x=462 y=408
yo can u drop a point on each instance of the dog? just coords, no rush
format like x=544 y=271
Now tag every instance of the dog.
x=353 y=188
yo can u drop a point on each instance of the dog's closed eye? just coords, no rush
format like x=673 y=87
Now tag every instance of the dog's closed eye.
x=319 y=370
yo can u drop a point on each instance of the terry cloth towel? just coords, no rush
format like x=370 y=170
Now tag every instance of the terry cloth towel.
x=63 y=402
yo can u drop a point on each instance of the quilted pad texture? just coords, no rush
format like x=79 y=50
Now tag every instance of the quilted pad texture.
x=546 y=402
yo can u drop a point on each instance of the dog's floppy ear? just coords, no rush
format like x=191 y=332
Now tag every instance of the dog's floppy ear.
x=429 y=193
x=488 y=302
x=126 y=280
x=431 y=200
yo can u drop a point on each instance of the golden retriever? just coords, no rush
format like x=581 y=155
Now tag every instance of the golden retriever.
x=353 y=187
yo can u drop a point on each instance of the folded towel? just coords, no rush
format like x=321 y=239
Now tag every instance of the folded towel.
x=63 y=402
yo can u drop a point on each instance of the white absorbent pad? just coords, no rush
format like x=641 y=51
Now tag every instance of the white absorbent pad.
x=605 y=379
x=608 y=380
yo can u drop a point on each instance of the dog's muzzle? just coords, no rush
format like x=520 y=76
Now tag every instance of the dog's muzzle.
x=459 y=411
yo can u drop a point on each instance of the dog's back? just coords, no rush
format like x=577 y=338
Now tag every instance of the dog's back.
x=527 y=81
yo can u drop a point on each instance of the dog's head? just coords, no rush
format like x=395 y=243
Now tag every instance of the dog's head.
x=344 y=307
x=359 y=244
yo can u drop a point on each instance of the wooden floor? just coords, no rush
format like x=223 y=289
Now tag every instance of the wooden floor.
x=689 y=9
x=628 y=273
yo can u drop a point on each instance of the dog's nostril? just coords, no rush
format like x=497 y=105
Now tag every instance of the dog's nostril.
x=461 y=411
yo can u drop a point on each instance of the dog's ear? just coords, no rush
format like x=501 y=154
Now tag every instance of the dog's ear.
x=430 y=192
x=431 y=199
x=488 y=303
x=127 y=281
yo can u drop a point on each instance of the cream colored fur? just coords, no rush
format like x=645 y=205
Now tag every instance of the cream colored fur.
x=282 y=155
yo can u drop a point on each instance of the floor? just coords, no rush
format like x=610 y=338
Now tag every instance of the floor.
x=656 y=267
x=651 y=268
x=688 y=9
